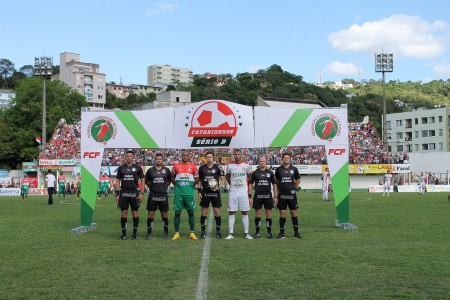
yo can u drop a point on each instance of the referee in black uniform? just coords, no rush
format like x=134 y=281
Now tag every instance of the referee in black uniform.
x=262 y=180
x=211 y=180
x=130 y=186
x=158 y=179
x=288 y=179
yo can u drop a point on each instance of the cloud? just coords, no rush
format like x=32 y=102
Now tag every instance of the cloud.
x=342 y=68
x=443 y=69
x=405 y=36
x=161 y=7
x=255 y=68
x=167 y=6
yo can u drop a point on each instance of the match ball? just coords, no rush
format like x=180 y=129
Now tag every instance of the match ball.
x=212 y=183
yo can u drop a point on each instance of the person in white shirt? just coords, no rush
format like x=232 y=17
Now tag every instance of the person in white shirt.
x=50 y=182
x=387 y=182
x=238 y=175
x=422 y=183
x=325 y=184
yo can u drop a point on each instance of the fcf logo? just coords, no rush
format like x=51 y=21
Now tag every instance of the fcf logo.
x=334 y=151
x=91 y=154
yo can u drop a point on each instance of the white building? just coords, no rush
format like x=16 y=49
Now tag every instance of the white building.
x=168 y=74
x=169 y=99
x=5 y=98
x=422 y=130
x=84 y=78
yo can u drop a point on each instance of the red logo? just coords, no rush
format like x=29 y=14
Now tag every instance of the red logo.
x=336 y=151
x=91 y=154
x=213 y=123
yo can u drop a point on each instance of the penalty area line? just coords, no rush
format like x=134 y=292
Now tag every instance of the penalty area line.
x=202 y=288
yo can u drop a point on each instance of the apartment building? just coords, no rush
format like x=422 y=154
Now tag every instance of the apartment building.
x=422 y=130
x=167 y=74
x=84 y=78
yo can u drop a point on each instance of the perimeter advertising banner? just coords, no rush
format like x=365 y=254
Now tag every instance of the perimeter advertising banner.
x=214 y=124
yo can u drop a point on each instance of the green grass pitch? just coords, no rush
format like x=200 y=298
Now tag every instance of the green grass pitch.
x=402 y=250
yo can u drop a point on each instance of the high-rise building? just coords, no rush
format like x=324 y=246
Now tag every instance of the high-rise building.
x=422 y=130
x=166 y=74
x=84 y=78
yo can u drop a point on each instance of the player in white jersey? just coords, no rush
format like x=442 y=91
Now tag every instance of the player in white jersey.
x=387 y=182
x=238 y=175
x=325 y=184
x=422 y=183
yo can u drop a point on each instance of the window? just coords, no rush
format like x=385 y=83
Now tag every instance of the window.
x=399 y=148
x=388 y=124
x=424 y=146
x=389 y=136
x=416 y=121
x=424 y=120
x=441 y=132
x=398 y=122
x=431 y=120
x=432 y=133
x=416 y=147
x=399 y=135
x=441 y=146
x=178 y=99
x=416 y=134
x=424 y=133
x=432 y=146
x=440 y=119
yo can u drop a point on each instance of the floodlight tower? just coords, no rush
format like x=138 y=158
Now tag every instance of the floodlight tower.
x=384 y=62
x=43 y=66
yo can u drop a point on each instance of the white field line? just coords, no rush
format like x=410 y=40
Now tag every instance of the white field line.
x=202 y=289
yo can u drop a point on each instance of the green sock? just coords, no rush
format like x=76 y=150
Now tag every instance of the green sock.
x=177 y=222
x=192 y=223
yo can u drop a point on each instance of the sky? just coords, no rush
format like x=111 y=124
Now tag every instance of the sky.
x=337 y=39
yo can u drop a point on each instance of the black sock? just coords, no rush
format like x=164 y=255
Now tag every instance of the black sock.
x=166 y=225
x=123 y=224
x=257 y=224
x=282 y=223
x=149 y=225
x=218 y=223
x=295 y=224
x=203 y=223
x=135 y=225
x=269 y=225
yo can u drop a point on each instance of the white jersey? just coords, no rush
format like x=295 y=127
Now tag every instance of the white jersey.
x=387 y=179
x=325 y=180
x=238 y=177
x=422 y=180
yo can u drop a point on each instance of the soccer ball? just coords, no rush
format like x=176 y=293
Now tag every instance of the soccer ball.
x=212 y=183
x=214 y=115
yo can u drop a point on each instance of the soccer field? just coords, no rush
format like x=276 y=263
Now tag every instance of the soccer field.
x=400 y=251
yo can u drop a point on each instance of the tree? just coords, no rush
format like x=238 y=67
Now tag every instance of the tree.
x=23 y=120
x=28 y=70
x=6 y=70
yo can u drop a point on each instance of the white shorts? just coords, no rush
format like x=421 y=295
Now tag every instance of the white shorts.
x=238 y=201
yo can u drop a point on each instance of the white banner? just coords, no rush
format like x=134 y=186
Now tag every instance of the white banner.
x=57 y=162
x=281 y=126
x=438 y=188
x=130 y=129
x=379 y=189
x=9 y=192
x=212 y=124
x=401 y=168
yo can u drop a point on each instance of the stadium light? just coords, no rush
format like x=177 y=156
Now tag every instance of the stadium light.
x=384 y=62
x=43 y=66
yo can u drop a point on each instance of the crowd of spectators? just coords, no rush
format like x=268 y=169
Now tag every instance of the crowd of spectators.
x=365 y=147
x=65 y=142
